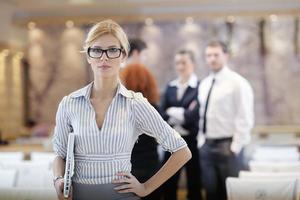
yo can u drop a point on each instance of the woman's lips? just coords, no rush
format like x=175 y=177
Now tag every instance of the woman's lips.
x=104 y=67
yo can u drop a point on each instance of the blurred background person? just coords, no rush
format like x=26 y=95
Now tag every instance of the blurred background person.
x=138 y=52
x=32 y=128
x=28 y=128
x=227 y=117
x=179 y=107
x=135 y=76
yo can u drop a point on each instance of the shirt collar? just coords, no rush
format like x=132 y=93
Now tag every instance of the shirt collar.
x=83 y=92
x=192 y=82
x=124 y=91
x=220 y=73
x=86 y=91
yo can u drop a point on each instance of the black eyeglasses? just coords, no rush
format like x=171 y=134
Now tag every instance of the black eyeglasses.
x=110 y=53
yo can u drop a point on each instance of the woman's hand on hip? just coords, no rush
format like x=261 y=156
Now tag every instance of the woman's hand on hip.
x=130 y=184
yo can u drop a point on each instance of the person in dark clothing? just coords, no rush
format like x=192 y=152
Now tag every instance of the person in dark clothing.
x=135 y=76
x=180 y=108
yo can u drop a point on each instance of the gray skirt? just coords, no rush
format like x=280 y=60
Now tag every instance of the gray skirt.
x=99 y=192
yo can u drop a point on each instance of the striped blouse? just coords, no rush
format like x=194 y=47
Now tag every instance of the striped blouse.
x=101 y=153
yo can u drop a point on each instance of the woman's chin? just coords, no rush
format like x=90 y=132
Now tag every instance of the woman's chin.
x=106 y=74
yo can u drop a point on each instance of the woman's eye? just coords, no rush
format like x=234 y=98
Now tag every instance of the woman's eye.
x=97 y=50
x=113 y=50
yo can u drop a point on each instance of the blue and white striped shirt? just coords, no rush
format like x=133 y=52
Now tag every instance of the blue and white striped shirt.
x=100 y=154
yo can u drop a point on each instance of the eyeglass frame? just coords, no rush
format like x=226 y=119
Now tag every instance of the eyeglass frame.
x=121 y=50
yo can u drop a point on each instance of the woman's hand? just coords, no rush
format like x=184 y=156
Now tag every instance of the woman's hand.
x=59 y=187
x=130 y=184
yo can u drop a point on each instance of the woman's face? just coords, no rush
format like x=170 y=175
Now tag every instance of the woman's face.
x=105 y=56
x=184 y=65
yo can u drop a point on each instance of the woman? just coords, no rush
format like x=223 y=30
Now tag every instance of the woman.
x=180 y=108
x=106 y=119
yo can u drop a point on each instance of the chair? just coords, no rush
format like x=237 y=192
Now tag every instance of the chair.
x=29 y=174
x=27 y=193
x=42 y=178
x=48 y=179
x=259 y=166
x=268 y=175
x=8 y=178
x=42 y=156
x=11 y=156
x=259 y=189
x=276 y=153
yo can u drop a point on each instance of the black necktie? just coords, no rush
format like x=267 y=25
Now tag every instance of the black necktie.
x=206 y=106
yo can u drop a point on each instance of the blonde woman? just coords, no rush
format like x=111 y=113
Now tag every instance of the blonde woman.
x=107 y=119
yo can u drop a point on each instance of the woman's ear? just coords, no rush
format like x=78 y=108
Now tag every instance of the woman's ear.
x=88 y=59
x=124 y=57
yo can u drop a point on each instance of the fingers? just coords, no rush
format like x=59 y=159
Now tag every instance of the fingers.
x=126 y=191
x=71 y=194
x=123 y=187
x=125 y=178
x=126 y=174
x=59 y=190
x=61 y=197
x=128 y=183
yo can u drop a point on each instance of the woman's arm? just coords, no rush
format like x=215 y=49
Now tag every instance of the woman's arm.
x=149 y=121
x=59 y=166
x=60 y=141
x=174 y=163
x=58 y=171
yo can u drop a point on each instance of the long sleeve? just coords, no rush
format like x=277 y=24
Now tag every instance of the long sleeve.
x=61 y=131
x=149 y=121
x=191 y=114
x=244 y=116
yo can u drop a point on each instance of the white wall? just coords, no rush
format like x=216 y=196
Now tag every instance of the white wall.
x=6 y=13
x=9 y=33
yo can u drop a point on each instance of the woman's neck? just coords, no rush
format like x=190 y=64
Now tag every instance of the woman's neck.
x=184 y=79
x=104 y=88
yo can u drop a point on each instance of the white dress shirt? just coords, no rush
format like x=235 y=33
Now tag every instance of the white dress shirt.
x=192 y=82
x=230 y=108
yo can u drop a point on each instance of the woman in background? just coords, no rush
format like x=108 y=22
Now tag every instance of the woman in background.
x=180 y=108
x=135 y=76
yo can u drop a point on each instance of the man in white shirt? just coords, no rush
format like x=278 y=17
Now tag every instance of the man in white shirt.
x=226 y=120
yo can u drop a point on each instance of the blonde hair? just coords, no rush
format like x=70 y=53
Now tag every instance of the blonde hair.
x=107 y=27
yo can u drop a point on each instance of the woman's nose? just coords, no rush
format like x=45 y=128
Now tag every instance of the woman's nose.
x=104 y=56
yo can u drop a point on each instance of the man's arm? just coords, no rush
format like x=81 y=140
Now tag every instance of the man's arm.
x=244 y=119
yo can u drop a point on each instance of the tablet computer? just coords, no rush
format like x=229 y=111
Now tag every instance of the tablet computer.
x=69 y=168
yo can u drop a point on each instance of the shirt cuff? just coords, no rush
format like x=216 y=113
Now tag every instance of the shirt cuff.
x=173 y=121
x=182 y=131
x=59 y=150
